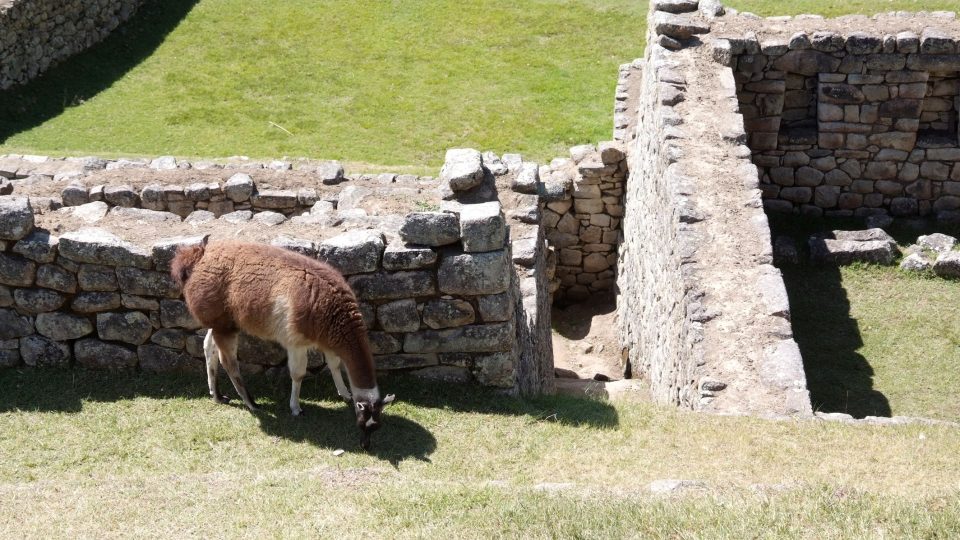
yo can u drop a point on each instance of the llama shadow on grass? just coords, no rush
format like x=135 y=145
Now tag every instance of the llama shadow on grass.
x=88 y=73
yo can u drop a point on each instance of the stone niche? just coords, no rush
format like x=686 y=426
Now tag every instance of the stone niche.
x=853 y=125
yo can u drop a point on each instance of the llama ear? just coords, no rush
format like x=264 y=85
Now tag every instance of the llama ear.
x=388 y=400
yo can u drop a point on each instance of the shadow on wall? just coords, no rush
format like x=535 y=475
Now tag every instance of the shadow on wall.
x=83 y=76
x=838 y=377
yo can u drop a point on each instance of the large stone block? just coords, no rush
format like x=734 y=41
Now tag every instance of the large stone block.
x=496 y=369
x=95 y=354
x=57 y=278
x=527 y=179
x=678 y=26
x=16 y=271
x=482 y=227
x=495 y=307
x=353 y=252
x=123 y=195
x=462 y=169
x=448 y=313
x=97 y=246
x=35 y=301
x=948 y=265
x=393 y=285
x=38 y=246
x=132 y=327
x=146 y=283
x=274 y=199
x=63 y=326
x=174 y=314
x=164 y=250
x=399 y=316
x=94 y=277
x=38 y=351
x=474 y=338
x=404 y=361
x=156 y=359
x=239 y=187
x=14 y=325
x=475 y=273
x=806 y=62
x=397 y=256
x=430 y=228
x=847 y=247
x=16 y=217
x=95 y=302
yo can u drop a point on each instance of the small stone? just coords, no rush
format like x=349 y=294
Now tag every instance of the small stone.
x=94 y=302
x=269 y=218
x=462 y=169
x=527 y=179
x=937 y=242
x=916 y=262
x=16 y=217
x=397 y=256
x=330 y=173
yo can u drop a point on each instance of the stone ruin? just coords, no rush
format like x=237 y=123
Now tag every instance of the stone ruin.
x=727 y=117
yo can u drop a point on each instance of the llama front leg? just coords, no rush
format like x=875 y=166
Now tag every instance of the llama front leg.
x=212 y=356
x=297 y=364
x=227 y=344
x=333 y=364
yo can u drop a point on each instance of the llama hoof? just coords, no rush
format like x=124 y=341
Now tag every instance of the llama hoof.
x=223 y=400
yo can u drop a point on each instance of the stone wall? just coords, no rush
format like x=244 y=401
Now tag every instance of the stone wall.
x=37 y=34
x=853 y=124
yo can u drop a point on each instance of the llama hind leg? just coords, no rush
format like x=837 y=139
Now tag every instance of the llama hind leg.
x=297 y=364
x=333 y=363
x=212 y=356
x=227 y=344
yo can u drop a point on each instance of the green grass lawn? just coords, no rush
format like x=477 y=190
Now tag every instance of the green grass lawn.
x=97 y=454
x=367 y=82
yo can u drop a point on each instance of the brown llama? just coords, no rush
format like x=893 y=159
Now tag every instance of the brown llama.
x=282 y=296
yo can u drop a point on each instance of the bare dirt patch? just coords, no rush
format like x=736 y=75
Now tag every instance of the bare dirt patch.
x=585 y=343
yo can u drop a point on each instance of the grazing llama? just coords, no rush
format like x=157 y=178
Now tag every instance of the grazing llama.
x=279 y=295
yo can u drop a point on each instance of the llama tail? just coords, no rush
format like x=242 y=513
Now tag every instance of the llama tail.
x=185 y=259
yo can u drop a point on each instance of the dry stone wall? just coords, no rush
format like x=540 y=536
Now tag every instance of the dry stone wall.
x=854 y=122
x=37 y=34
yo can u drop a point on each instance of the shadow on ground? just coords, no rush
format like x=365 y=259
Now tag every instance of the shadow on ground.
x=83 y=76
x=330 y=424
x=838 y=377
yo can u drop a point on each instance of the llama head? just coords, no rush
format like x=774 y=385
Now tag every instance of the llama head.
x=368 y=417
x=185 y=259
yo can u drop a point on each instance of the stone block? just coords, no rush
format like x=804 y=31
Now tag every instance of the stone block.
x=16 y=217
x=447 y=313
x=97 y=246
x=274 y=199
x=60 y=326
x=678 y=26
x=384 y=343
x=404 y=361
x=38 y=351
x=462 y=169
x=165 y=249
x=146 y=283
x=124 y=196
x=156 y=359
x=239 y=187
x=74 y=195
x=475 y=273
x=904 y=207
x=495 y=370
x=399 y=316
x=430 y=228
x=495 y=307
x=482 y=227
x=393 y=285
x=14 y=325
x=527 y=179
x=94 y=302
x=16 y=270
x=95 y=354
x=131 y=327
x=94 y=277
x=472 y=338
x=934 y=170
x=353 y=252
x=947 y=265
x=174 y=314
x=33 y=301
x=806 y=62
x=38 y=246
x=170 y=338
x=57 y=278
x=826 y=196
x=330 y=173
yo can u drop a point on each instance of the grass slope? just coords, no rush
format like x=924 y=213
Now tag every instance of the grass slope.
x=106 y=455
x=387 y=83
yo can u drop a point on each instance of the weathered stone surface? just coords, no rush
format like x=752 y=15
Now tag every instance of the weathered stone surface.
x=399 y=316
x=38 y=351
x=199 y=217
x=60 y=326
x=447 y=313
x=948 y=265
x=916 y=262
x=937 y=242
x=398 y=256
x=462 y=169
x=97 y=246
x=269 y=218
x=16 y=271
x=404 y=361
x=527 y=179
x=330 y=172
x=171 y=338
x=239 y=216
x=482 y=227
x=393 y=285
x=495 y=307
x=254 y=350
x=124 y=196
x=94 y=277
x=55 y=277
x=14 y=325
x=146 y=283
x=174 y=314
x=35 y=301
x=495 y=370
x=143 y=303
x=38 y=246
x=132 y=327
x=95 y=354
x=384 y=343
x=430 y=228
x=474 y=273
x=75 y=195
x=239 y=187
x=678 y=26
x=847 y=247
x=473 y=338
x=156 y=359
x=353 y=252
x=94 y=302
x=91 y=212
x=675 y=6
x=16 y=217
x=806 y=62
x=274 y=199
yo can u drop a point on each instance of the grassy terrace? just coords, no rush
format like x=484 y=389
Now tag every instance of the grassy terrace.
x=385 y=83
x=102 y=455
